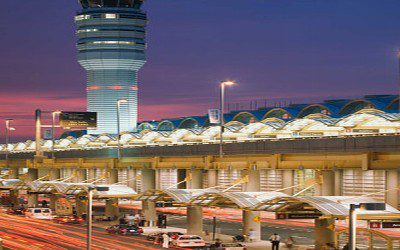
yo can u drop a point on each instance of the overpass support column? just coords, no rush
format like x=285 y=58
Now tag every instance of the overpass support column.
x=54 y=174
x=112 y=209
x=338 y=182
x=32 y=175
x=149 y=207
x=197 y=179
x=131 y=173
x=14 y=198
x=80 y=175
x=14 y=173
x=392 y=180
x=251 y=219
x=288 y=181
x=324 y=232
x=326 y=187
x=195 y=213
x=181 y=177
x=212 y=177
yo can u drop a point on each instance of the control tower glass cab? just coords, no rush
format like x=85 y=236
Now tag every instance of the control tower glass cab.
x=111 y=48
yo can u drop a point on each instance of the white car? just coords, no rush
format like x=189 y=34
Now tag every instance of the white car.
x=39 y=213
x=189 y=241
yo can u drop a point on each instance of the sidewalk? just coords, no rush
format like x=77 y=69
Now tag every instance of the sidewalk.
x=264 y=245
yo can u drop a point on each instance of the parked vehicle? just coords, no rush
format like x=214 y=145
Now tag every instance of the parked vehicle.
x=16 y=211
x=39 y=213
x=229 y=246
x=124 y=230
x=158 y=236
x=189 y=241
x=68 y=219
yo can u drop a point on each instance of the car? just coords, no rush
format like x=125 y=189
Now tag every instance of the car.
x=189 y=241
x=68 y=219
x=39 y=213
x=16 y=211
x=158 y=236
x=229 y=246
x=124 y=230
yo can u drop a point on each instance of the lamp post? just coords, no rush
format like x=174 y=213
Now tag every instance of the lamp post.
x=53 y=121
x=8 y=129
x=221 y=113
x=353 y=219
x=119 y=101
x=90 y=212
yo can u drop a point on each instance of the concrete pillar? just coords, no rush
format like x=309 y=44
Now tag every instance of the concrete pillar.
x=54 y=174
x=80 y=175
x=32 y=175
x=91 y=174
x=53 y=199
x=14 y=173
x=392 y=182
x=112 y=209
x=149 y=207
x=324 y=232
x=197 y=179
x=251 y=220
x=14 y=198
x=288 y=181
x=181 y=177
x=131 y=173
x=80 y=206
x=212 y=177
x=327 y=185
x=195 y=213
x=194 y=220
x=338 y=182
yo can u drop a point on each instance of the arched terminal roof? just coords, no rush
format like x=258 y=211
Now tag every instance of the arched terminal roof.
x=179 y=196
x=242 y=200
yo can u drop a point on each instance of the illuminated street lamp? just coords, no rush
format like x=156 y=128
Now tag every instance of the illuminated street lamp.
x=54 y=113
x=119 y=101
x=353 y=219
x=221 y=113
x=8 y=133
x=90 y=212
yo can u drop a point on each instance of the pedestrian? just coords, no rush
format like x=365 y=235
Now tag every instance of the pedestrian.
x=275 y=239
x=289 y=242
x=165 y=240
x=252 y=235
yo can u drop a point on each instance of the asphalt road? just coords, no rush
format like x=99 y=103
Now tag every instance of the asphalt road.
x=23 y=233
x=302 y=235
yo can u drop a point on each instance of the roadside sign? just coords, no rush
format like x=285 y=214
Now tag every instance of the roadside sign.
x=63 y=207
x=214 y=116
x=78 y=120
x=294 y=216
x=384 y=224
x=48 y=134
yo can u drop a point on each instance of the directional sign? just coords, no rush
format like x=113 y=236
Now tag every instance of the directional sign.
x=63 y=207
x=294 y=216
x=391 y=224
x=257 y=219
x=78 y=120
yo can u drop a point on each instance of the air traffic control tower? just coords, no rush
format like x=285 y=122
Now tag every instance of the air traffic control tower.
x=111 y=48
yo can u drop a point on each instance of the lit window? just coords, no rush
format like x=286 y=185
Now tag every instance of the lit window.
x=82 y=17
x=111 y=16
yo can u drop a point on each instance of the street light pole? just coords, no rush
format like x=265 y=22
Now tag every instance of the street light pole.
x=353 y=219
x=53 y=131
x=89 y=219
x=119 y=101
x=221 y=113
x=8 y=129
x=352 y=226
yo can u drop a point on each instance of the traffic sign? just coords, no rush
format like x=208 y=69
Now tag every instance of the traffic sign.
x=78 y=120
x=294 y=216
